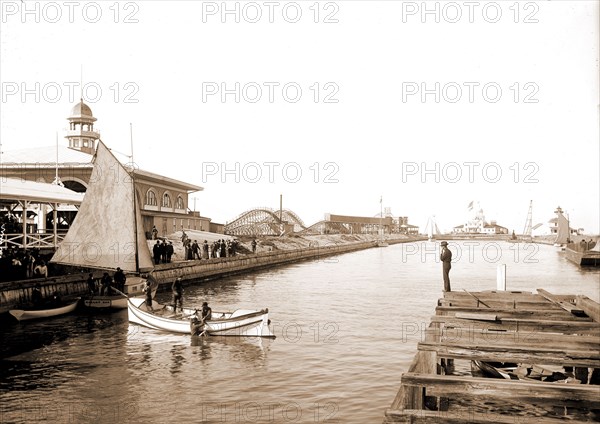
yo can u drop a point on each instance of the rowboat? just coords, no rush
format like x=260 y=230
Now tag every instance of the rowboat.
x=22 y=315
x=241 y=323
x=134 y=286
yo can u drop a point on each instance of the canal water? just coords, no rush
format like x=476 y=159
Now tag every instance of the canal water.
x=347 y=328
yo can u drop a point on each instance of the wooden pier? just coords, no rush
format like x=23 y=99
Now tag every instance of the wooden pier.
x=543 y=349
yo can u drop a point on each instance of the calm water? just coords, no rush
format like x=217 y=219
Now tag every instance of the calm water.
x=338 y=356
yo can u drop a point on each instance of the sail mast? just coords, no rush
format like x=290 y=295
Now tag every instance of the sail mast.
x=133 y=197
x=527 y=230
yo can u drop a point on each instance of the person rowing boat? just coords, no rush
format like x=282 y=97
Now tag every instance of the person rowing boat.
x=197 y=324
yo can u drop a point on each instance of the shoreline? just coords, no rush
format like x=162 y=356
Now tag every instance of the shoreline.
x=271 y=252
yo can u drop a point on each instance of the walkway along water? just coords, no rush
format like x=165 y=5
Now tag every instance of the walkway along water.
x=17 y=293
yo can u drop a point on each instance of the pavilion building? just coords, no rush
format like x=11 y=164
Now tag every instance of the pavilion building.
x=164 y=201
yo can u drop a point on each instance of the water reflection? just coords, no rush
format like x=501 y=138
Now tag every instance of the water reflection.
x=177 y=359
x=339 y=327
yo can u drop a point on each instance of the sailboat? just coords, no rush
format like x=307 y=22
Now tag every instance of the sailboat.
x=107 y=231
x=563 y=230
x=432 y=228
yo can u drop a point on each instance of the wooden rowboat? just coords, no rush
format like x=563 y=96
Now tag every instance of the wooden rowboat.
x=22 y=315
x=241 y=323
x=134 y=286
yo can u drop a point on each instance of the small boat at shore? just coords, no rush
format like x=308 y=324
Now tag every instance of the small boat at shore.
x=241 y=323
x=134 y=286
x=27 y=314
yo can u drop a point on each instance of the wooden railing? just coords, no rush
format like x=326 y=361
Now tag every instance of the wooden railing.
x=30 y=241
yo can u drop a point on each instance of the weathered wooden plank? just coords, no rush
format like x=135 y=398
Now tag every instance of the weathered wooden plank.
x=412 y=397
x=555 y=315
x=492 y=294
x=523 y=326
x=591 y=307
x=569 y=307
x=475 y=316
x=495 y=304
x=462 y=416
x=515 y=353
x=518 y=390
x=480 y=336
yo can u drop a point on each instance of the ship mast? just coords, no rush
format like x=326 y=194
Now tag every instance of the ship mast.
x=527 y=229
x=133 y=197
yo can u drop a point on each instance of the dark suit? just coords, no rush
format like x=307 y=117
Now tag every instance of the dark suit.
x=446 y=258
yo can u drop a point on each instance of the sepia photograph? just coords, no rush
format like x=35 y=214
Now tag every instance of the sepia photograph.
x=303 y=211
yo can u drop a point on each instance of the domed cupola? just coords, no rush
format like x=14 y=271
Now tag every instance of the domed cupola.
x=81 y=134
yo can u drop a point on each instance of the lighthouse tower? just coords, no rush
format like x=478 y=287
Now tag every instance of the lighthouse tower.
x=81 y=134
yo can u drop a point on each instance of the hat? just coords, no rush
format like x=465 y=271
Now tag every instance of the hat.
x=204 y=303
x=444 y=243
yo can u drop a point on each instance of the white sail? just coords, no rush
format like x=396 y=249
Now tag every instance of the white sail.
x=562 y=233
x=107 y=231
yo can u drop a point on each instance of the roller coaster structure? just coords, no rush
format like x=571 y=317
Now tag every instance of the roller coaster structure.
x=264 y=221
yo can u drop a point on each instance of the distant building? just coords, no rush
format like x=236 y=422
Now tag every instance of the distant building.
x=401 y=226
x=553 y=225
x=493 y=228
x=164 y=201
x=478 y=225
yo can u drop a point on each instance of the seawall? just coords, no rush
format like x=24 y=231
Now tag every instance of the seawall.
x=16 y=294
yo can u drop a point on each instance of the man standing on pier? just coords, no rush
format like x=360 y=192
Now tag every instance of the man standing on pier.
x=446 y=258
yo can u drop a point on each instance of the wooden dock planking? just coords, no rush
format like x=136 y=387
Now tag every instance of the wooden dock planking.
x=421 y=416
x=591 y=308
x=518 y=353
x=489 y=388
x=519 y=327
x=534 y=339
x=530 y=325
x=557 y=314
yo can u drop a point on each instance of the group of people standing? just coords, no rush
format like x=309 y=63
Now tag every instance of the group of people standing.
x=22 y=264
x=217 y=249
x=105 y=287
x=162 y=252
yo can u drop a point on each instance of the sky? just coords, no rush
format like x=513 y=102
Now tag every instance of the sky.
x=341 y=107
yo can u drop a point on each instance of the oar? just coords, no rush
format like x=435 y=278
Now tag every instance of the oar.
x=119 y=292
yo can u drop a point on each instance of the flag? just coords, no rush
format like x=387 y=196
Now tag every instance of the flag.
x=471 y=206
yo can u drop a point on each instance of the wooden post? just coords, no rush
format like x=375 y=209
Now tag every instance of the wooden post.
x=55 y=230
x=501 y=277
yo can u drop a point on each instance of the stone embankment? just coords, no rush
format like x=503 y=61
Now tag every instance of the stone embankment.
x=270 y=252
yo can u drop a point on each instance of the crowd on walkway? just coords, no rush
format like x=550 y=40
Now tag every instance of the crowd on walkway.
x=163 y=250
x=20 y=264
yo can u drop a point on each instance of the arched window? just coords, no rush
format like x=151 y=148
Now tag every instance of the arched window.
x=151 y=198
x=166 y=200
x=179 y=203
